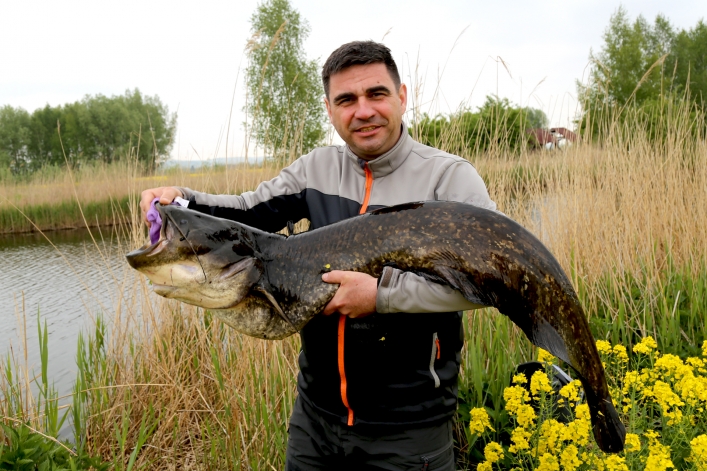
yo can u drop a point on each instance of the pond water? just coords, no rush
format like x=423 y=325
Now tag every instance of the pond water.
x=66 y=281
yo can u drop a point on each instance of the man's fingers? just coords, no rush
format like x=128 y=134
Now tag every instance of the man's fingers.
x=166 y=194
x=146 y=198
x=329 y=309
x=169 y=194
x=355 y=296
x=334 y=277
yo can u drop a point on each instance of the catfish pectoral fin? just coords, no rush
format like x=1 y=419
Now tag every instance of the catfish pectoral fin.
x=277 y=307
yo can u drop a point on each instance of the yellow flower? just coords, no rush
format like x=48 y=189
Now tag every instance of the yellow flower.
x=539 y=382
x=525 y=415
x=704 y=348
x=633 y=443
x=548 y=462
x=544 y=356
x=519 y=437
x=515 y=396
x=551 y=432
x=493 y=452
x=667 y=400
x=569 y=459
x=519 y=379
x=579 y=430
x=630 y=379
x=615 y=463
x=595 y=463
x=582 y=411
x=695 y=362
x=693 y=390
x=672 y=366
x=570 y=391
x=620 y=352
x=603 y=346
x=480 y=421
x=698 y=455
x=658 y=458
x=485 y=466
x=645 y=346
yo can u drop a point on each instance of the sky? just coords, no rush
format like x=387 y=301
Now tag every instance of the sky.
x=450 y=53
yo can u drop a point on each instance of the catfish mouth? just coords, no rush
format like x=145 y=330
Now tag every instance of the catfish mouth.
x=167 y=232
x=163 y=290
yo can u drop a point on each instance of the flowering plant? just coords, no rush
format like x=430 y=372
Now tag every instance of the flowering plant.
x=662 y=399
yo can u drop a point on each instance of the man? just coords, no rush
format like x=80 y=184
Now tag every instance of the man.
x=378 y=370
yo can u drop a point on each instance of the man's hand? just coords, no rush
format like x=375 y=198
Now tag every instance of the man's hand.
x=356 y=296
x=166 y=194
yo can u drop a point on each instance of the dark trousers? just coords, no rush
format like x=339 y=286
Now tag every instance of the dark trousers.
x=316 y=443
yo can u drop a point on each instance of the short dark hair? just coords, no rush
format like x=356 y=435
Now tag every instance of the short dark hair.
x=359 y=53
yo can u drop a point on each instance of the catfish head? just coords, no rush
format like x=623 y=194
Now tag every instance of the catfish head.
x=199 y=259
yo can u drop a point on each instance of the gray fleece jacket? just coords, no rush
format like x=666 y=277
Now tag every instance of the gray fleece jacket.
x=329 y=184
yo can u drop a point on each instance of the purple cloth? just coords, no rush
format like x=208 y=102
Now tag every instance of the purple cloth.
x=153 y=217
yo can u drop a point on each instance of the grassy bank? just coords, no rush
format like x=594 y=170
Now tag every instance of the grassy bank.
x=104 y=195
x=171 y=388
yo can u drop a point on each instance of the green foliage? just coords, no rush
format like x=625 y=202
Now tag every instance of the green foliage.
x=690 y=53
x=63 y=215
x=21 y=447
x=535 y=118
x=496 y=125
x=645 y=67
x=25 y=450
x=14 y=137
x=96 y=128
x=284 y=89
x=629 y=51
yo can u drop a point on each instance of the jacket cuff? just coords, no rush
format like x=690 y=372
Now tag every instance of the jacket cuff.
x=186 y=192
x=386 y=280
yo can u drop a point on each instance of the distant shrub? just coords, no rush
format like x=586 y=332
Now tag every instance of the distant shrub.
x=496 y=126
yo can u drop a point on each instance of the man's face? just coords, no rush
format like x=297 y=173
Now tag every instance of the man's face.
x=366 y=109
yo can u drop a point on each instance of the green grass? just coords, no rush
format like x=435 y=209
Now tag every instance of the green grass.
x=64 y=215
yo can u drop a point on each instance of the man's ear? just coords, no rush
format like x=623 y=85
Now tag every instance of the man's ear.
x=403 y=95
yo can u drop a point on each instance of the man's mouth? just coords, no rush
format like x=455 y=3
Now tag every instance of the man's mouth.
x=368 y=130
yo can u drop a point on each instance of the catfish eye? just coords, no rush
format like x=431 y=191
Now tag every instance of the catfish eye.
x=183 y=222
x=242 y=250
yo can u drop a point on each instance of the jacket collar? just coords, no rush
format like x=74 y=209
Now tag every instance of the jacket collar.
x=388 y=162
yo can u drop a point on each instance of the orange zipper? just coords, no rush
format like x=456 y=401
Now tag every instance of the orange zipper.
x=342 y=372
x=369 y=184
x=342 y=319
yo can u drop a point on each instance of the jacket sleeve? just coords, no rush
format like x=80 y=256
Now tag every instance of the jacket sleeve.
x=400 y=291
x=270 y=207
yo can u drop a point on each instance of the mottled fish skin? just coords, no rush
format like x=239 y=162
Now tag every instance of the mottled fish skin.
x=489 y=258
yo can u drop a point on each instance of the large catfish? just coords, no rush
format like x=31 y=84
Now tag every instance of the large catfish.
x=269 y=285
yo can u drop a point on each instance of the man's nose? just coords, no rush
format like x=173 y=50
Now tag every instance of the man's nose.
x=364 y=110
